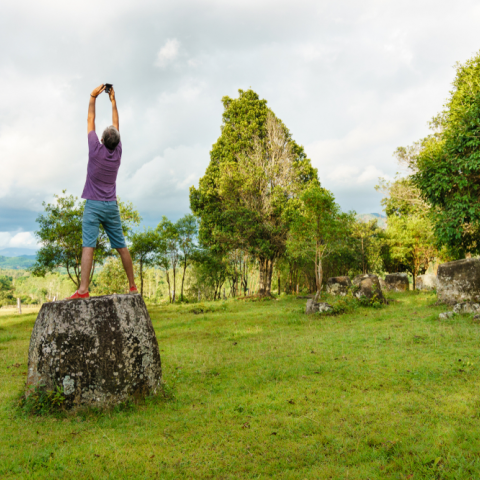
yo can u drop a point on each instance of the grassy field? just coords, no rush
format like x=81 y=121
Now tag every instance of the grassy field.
x=263 y=391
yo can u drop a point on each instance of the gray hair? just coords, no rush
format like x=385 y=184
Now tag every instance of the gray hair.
x=111 y=137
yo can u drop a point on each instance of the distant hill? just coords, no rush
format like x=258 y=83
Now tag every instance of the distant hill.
x=16 y=252
x=17 y=263
x=381 y=219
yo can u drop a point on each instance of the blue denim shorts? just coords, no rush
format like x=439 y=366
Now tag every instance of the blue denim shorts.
x=107 y=214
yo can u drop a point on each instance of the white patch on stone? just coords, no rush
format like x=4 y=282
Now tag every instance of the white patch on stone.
x=68 y=385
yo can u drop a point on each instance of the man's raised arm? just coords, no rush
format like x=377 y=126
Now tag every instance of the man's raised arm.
x=91 y=107
x=115 y=121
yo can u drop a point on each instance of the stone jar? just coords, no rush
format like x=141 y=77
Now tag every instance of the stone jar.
x=101 y=350
x=338 y=285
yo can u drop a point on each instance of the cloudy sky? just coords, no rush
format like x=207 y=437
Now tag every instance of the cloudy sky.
x=352 y=80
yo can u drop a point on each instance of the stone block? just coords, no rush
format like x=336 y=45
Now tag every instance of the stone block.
x=101 y=350
x=368 y=286
x=397 y=282
x=321 y=307
x=426 y=282
x=338 y=285
x=459 y=281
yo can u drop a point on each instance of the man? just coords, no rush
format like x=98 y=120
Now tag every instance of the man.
x=100 y=192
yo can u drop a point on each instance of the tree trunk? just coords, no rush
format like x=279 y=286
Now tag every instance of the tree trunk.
x=319 y=275
x=279 y=285
x=183 y=279
x=269 y=277
x=169 y=288
x=141 y=278
x=174 y=284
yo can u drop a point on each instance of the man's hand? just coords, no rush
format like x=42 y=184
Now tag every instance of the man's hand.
x=97 y=91
x=112 y=94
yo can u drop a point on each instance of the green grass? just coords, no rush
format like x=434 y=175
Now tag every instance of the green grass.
x=263 y=391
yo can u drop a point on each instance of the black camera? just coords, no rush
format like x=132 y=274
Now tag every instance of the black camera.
x=108 y=87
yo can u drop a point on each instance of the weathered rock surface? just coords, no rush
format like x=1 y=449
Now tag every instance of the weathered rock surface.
x=445 y=315
x=397 y=282
x=368 y=286
x=426 y=282
x=459 y=281
x=338 y=285
x=466 y=307
x=359 y=278
x=313 y=307
x=101 y=351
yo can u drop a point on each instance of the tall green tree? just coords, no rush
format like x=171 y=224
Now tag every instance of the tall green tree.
x=410 y=234
x=256 y=169
x=369 y=242
x=187 y=235
x=145 y=246
x=60 y=234
x=446 y=163
x=169 y=254
x=318 y=227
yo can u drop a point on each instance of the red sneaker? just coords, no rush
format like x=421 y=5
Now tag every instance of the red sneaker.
x=133 y=290
x=78 y=296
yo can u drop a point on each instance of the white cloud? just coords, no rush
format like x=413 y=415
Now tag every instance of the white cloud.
x=168 y=53
x=356 y=81
x=18 y=240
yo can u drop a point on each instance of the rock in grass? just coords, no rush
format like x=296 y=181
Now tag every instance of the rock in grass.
x=459 y=281
x=397 y=282
x=368 y=286
x=466 y=307
x=338 y=285
x=426 y=282
x=445 y=315
x=101 y=351
x=321 y=307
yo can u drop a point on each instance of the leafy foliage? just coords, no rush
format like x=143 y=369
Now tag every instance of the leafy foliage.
x=446 y=163
x=255 y=171
x=42 y=402
x=144 y=248
x=60 y=234
x=317 y=228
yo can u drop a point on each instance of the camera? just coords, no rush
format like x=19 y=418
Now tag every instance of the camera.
x=108 y=87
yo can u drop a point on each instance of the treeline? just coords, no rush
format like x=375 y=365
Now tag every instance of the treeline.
x=261 y=221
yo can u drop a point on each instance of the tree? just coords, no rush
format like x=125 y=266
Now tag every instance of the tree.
x=412 y=242
x=317 y=228
x=446 y=164
x=111 y=278
x=370 y=240
x=410 y=232
x=187 y=233
x=255 y=170
x=60 y=234
x=210 y=271
x=168 y=256
x=144 y=248
x=6 y=290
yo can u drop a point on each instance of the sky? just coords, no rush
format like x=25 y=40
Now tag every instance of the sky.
x=351 y=80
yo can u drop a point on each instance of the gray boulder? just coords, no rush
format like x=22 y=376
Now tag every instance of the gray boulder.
x=459 y=281
x=445 y=315
x=368 y=286
x=359 y=278
x=321 y=307
x=102 y=350
x=466 y=307
x=426 y=282
x=397 y=282
x=338 y=285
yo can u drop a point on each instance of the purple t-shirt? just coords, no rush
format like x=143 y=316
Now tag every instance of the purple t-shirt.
x=103 y=165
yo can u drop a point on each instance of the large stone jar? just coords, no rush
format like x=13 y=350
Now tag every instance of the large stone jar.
x=101 y=350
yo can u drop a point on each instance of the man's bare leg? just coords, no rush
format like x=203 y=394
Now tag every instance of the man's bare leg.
x=87 y=261
x=127 y=265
